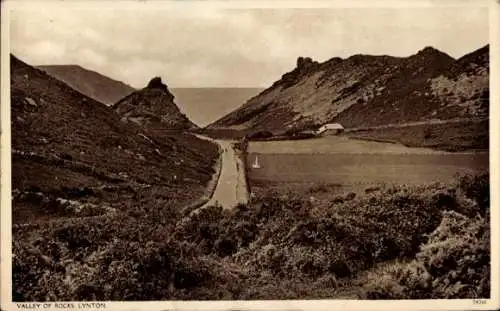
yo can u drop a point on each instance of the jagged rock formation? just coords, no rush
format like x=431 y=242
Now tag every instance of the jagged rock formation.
x=153 y=108
x=93 y=84
x=365 y=90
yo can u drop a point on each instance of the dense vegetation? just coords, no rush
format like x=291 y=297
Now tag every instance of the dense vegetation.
x=401 y=242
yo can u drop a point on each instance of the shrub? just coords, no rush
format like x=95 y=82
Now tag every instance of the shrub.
x=458 y=256
x=454 y=263
x=477 y=188
x=282 y=244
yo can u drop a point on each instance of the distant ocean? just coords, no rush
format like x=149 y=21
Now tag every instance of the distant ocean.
x=206 y=105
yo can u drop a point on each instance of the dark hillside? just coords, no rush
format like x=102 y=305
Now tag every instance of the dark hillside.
x=432 y=87
x=71 y=140
x=93 y=84
x=404 y=97
x=86 y=188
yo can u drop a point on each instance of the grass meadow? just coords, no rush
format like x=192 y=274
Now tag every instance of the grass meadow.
x=365 y=169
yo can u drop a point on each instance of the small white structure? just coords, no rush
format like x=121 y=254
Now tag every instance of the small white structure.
x=256 y=163
x=330 y=128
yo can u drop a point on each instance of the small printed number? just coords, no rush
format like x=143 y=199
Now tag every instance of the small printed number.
x=479 y=301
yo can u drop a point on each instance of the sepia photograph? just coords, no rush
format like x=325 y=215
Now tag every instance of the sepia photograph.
x=224 y=151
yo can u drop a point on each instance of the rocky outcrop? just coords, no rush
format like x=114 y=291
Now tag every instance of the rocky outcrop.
x=153 y=108
x=366 y=90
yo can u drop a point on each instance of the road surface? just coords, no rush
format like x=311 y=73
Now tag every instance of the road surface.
x=231 y=188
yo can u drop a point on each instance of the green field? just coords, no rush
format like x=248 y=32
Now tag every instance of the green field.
x=365 y=169
x=343 y=161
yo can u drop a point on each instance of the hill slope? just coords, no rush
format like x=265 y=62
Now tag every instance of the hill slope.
x=459 y=91
x=365 y=90
x=91 y=196
x=153 y=108
x=62 y=139
x=90 y=83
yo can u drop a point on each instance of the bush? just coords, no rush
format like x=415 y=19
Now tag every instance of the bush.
x=457 y=256
x=398 y=281
x=477 y=188
x=355 y=234
x=433 y=242
x=454 y=263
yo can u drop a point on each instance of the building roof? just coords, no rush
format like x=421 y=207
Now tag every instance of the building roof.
x=333 y=126
x=330 y=126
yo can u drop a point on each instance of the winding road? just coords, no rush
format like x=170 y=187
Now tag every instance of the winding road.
x=231 y=188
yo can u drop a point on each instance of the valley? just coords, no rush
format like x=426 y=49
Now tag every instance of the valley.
x=143 y=194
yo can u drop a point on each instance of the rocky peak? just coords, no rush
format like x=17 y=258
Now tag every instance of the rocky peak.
x=430 y=52
x=305 y=63
x=156 y=83
x=153 y=107
x=479 y=57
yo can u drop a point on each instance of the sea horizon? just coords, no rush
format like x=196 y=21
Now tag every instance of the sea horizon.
x=222 y=100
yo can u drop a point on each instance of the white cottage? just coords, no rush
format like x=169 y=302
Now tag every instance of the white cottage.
x=330 y=128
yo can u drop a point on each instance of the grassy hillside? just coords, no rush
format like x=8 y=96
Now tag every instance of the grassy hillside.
x=84 y=182
x=93 y=84
x=365 y=90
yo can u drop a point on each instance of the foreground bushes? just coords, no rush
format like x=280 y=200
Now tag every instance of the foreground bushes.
x=454 y=263
x=102 y=261
x=415 y=242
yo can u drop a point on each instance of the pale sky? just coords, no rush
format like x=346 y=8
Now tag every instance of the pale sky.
x=232 y=47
